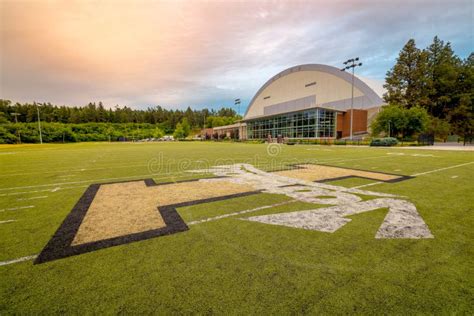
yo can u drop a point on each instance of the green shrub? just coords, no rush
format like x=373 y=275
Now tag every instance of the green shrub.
x=386 y=141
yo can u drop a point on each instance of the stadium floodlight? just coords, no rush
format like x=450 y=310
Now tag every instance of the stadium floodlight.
x=237 y=103
x=15 y=114
x=352 y=64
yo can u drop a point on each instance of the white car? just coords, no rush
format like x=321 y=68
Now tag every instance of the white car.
x=168 y=138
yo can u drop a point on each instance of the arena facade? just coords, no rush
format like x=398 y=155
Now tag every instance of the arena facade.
x=310 y=101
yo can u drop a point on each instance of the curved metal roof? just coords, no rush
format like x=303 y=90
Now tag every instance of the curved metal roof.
x=359 y=84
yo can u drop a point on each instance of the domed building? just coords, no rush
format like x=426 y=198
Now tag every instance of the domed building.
x=310 y=101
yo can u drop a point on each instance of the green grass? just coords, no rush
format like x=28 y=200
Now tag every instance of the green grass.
x=350 y=182
x=233 y=266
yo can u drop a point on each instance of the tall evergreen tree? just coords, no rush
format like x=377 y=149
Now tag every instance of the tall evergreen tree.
x=443 y=72
x=437 y=80
x=407 y=81
x=462 y=119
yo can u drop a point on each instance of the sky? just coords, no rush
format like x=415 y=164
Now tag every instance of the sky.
x=203 y=53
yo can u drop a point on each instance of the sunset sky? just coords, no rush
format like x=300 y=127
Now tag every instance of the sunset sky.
x=203 y=53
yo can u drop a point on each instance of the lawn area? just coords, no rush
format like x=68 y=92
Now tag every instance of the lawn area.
x=232 y=265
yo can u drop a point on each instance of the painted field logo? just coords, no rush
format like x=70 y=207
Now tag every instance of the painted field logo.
x=306 y=183
x=112 y=214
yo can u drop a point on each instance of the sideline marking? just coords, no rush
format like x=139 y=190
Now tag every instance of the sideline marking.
x=16 y=208
x=210 y=219
x=17 y=260
x=441 y=169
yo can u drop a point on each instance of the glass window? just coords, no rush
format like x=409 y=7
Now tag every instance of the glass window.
x=314 y=123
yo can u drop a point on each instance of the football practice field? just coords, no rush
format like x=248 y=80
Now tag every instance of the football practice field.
x=234 y=228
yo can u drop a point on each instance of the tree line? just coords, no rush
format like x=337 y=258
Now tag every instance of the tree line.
x=93 y=122
x=62 y=133
x=429 y=90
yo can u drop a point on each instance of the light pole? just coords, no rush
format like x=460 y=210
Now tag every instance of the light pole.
x=39 y=124
x=351 y=63
x=16 y=116
x=16 y=122
x=237 y=102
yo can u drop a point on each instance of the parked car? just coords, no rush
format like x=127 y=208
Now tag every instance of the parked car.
x=168 y=138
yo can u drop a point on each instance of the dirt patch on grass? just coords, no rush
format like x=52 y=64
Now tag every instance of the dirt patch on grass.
x=321 y=173
x=126 y=208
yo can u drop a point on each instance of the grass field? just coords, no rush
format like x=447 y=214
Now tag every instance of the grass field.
x=231 y=265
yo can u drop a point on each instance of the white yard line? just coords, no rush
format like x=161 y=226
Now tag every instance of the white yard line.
x=441 y=169
x=71 y=187
x=17 y=260
x=16 y=208
x=239 y=213
x=83 y=169
x=353 y=159
x=8 y=221
x=112 y=166
x=366 y=185
x=36 y=191
x=74 y=170
x=33 y=198
x=437 y=147
x=419 y=174
x=316 y=161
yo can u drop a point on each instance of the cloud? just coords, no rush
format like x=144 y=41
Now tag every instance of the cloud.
x=178 y=54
